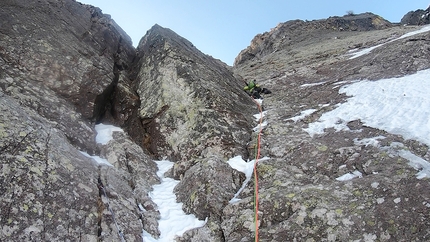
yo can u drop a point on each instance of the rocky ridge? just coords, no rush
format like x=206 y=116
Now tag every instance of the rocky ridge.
x=417 y=17
x=66 y=66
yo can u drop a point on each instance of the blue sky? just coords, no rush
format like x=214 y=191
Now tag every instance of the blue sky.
x=223 y=28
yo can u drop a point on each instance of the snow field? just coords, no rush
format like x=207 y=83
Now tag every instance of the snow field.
x=399 y=106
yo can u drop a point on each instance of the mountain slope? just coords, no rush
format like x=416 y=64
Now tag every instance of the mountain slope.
x=67 y=67
x=300 y=195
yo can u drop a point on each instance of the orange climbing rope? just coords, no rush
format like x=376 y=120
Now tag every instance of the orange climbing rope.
x=257 y=156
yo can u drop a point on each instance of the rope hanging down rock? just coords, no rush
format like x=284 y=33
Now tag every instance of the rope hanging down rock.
x=102 y=188
x=257 y=156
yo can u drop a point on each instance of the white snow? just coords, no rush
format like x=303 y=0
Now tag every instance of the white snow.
x=364 y=51
x=141 y=208
x=260 y=126
x=417 y=162
x=349 y=176
x=239 y=164
x=313 y=84
x=369 y=141
x=247 y=168
x=399 y=106
x=259 y=101
x=396 y=105
x=424 y=29
x=98 y=159
x=104 y=133
x=258 y=116
x=303 y=114
x=173 y=221
x=368 y=50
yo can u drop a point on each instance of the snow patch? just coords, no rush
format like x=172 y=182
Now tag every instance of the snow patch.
x=173 y=221
x=417 y=163
x=104 y=133
x=368 y=50
x=313 y=84
x=260 y=126
x=259 y=116
x=364 y=51
x=98 y=159
x=369 y=141
x=247 y=168
x=303 y=114
x=399 y=106
x=350 y=176
x=396 y=105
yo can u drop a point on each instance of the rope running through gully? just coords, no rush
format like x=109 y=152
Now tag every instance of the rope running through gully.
x=257 y=156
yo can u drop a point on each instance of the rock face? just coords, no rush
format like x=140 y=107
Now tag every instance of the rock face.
x=417 y=17
x=299 y=196
x=61 y=62
x=66 y=66
x=39 y=188
x=195 y=113
x=181 y=90
x=64 y=54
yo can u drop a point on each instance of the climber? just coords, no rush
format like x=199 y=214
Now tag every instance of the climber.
x=254 y=90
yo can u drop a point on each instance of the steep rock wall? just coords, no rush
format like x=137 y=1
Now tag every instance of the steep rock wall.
x=196 y=114
x=61 y=65
x=62 y=52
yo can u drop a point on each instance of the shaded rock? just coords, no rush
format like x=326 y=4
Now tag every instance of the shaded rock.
x=417 y=17
x=62 y=52
x=62 y=66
